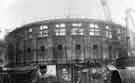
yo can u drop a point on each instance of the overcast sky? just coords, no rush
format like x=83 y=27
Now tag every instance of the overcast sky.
x=15 y=13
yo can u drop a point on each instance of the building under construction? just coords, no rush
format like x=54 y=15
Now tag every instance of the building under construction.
x=78 y=50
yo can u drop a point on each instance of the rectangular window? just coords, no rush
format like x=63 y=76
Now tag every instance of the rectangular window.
x=43 y=34
x=77 y=31
x=30 y=36
x=61 y=31
x=43 y=31
x=97 y=32
x=107 y=27
x=76 y=24
x=108 y=34
x=29 y=33
x=43 y=27
x=91 y=31
x=96 y=26
x=92 y=25
x=40 y=34
x=74 y=31
x=94 y=30
x=30 y=30
x=60 y=25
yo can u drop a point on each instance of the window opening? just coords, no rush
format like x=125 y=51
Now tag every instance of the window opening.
x=60 y=47
x=77 y=24
x=78 y=47
x=95 y=47
x=42 y=48
x=28 y=50
x=30 y=30
x=77 y=31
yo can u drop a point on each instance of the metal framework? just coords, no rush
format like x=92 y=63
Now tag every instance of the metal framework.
x=107 y=12
x=130 y=24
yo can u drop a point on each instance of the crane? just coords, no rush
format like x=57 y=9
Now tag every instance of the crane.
x=107 y=12
x=130 y=25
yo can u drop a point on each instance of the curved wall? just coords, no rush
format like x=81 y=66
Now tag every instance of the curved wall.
x=62 y=41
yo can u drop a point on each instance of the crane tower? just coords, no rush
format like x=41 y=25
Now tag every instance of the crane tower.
x=130 y=24
x=107 y=12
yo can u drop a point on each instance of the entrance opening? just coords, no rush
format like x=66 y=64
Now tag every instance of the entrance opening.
x=115 y=77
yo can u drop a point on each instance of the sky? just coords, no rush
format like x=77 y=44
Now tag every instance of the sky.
x=15 y=13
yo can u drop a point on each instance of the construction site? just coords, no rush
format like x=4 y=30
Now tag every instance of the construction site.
x=70 y=50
